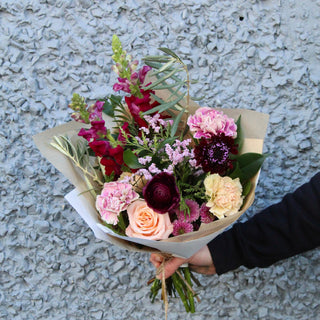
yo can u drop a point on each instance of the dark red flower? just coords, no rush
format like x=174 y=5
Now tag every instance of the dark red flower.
x=213 y=154
x=113 y=161
x=137 y=105
x=110 y=166
x=100 y=147
x=161 y=193
x=117 y=154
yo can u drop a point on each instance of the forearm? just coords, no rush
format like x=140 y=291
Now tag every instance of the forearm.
x=285 y=229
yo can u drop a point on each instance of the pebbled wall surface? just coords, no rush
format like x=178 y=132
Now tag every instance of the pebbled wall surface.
x=261 y=55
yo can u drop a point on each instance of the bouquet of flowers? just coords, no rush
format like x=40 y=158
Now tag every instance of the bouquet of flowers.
x=161 y=173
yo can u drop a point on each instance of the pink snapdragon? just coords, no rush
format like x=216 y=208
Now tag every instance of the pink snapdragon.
x=207 y=123
x=114 y=198
x=95 y=111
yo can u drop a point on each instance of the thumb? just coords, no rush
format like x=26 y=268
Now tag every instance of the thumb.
x=171 y=266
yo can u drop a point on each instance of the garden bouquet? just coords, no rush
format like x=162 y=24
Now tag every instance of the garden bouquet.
x=152 y=169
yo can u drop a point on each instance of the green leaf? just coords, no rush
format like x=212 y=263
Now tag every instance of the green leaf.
x=249 y=164
x=131 y=160
x=240 y=134
x=153 y=64
x=161 y=59
x=165 y=106
x=108 y=109
x=246 y=188
x=236 y=173
x=169 y=85
x=166 y=141
x=162 y=79
x=170 y=53
x=166 y=66
x=176 y=123
x=157 y=98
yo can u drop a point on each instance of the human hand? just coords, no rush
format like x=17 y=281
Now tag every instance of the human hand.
x=200 y=262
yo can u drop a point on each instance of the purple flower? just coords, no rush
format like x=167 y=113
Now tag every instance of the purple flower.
x=206 y=215
x=213 y=154
x=161 y=193
x=181 y=227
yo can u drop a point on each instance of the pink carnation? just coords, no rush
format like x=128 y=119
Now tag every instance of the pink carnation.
x=207 y=123
x=114 y=198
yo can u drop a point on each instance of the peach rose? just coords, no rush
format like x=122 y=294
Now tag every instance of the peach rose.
x=225 y=195
x=147 y=224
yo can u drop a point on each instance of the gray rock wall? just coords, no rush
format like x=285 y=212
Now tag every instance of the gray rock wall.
x=260 y=55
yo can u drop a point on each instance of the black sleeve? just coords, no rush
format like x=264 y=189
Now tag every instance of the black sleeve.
x=280 y=231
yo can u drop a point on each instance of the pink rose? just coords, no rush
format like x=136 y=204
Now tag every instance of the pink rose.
x=208 y=122
x=145 y=223
x=114 y=198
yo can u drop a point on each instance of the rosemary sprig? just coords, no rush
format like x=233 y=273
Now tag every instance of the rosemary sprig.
x=78 y=154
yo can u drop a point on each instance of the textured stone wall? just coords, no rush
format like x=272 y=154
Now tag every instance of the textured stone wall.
x=261 y=55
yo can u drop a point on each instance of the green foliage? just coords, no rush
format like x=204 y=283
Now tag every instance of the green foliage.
x=78 y=153
x=172 y=75
x=248 y=164
x=110 y=104
x=131 y=160
x=240 y=135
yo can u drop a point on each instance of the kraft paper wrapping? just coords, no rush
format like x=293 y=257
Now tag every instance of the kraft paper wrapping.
x=254 y=125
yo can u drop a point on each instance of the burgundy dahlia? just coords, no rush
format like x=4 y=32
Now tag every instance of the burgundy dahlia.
x=161 y=193
x=213 y=154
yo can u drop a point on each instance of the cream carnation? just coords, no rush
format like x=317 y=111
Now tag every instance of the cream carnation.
x=225 y=195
